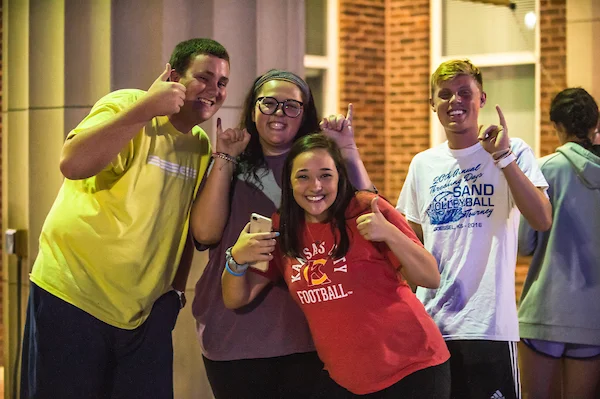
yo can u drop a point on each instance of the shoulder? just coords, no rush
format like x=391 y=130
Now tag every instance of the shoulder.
x=552 y=161
x=361 y=203
x=432 y=152
x=120 y=98
x=518 y=146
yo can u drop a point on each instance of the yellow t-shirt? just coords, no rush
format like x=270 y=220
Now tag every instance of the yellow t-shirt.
x=112 y=243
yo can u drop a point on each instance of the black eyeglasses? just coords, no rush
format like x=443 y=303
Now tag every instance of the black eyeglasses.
x=270 y=105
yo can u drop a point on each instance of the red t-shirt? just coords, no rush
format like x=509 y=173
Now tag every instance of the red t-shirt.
x=369 y=329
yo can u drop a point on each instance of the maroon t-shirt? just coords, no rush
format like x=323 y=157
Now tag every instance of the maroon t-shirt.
x=273 y=325
x=370 y=330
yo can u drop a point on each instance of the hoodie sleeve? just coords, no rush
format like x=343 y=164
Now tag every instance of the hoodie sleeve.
x=527 y=238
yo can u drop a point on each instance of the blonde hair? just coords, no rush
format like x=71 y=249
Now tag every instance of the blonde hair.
x=450 y=69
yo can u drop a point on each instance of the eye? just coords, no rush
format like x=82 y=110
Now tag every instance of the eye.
x=222 y=84
x=465 y=93
x=326 y=175
x=302 y=177
x=292 y=105
x=445 y=95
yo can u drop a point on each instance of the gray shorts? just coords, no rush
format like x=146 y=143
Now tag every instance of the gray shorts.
x=558 y=350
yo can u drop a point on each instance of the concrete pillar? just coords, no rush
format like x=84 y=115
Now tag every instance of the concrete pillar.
x=61 y=56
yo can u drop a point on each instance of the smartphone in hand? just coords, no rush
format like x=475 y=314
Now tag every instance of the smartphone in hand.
x=260 y=224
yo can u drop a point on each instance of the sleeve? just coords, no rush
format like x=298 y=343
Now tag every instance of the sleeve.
x=407 y=201
x=527 y=238
x=528 y=164
x=105 y=109
x=396 y=218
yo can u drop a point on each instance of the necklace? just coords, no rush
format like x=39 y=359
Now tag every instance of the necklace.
x=317 y=242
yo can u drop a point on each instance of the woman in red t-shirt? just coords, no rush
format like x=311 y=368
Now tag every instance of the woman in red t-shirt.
x=343 y=256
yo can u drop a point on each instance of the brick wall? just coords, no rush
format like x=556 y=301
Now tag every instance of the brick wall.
x=407 y=88
x=384 y=71
x=362 y=78
x=553 y=52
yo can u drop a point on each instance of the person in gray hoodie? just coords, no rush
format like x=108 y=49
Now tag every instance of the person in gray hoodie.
x=559 y=314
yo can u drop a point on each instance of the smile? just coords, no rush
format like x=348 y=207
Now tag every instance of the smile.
x=205 y=101
x=457 y=112
x=315 y=198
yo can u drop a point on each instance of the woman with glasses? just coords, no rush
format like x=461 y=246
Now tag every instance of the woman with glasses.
x=263 y=350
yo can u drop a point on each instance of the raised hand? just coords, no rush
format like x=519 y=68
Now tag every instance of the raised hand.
x=373 y=226
x=231 y=141
x=495 y=138
x=339 y=128
x=253 y=247
x=165 y=98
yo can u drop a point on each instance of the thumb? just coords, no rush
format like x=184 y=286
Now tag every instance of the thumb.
x=166 y=73
x=374 y=206
x=247 y=228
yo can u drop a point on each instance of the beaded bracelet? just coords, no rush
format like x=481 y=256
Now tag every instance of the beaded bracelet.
x=225 y=156
x=502 y=153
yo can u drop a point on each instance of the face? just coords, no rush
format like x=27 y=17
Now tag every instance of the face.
x=315 y=184
x=206 y=87
x=277 y=131
x=457 y=103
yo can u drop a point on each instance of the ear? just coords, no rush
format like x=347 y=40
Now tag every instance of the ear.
x=432 y=104
x=175 y=77
x=483 y=99
x=253 y=114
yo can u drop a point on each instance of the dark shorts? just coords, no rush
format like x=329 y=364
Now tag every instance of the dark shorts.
x=558 y=350
x=484 y=369
x=283 y=377
x=67 y=353
x=428 y=383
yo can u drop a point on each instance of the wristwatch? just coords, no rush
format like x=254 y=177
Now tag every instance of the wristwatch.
x=182 y=300
x=232 y=264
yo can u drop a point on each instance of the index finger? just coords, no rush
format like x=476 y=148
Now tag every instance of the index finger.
x=501 y=116
x=350 y=112
x=219 y=127
x=266 y=236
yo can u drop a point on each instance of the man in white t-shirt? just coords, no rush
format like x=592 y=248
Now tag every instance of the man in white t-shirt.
x=463 y=199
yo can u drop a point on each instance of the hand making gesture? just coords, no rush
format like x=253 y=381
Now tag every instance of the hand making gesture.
x=232 y=141
x=374 y=226
x=494 y=138
x=339 y=128
x=164 y=98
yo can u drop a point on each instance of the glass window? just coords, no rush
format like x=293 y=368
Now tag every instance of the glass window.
x=316 y=81
x=316 y=27
x=478 y=28
x=512 y=87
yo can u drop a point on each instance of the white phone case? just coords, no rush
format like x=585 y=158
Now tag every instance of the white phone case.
x=260 y=224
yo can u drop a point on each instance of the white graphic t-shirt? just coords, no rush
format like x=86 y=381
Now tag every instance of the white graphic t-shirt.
x=470 y=222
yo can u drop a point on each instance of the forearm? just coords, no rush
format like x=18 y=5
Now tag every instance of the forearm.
x=91 y=150
x=418 y=266
x=239 y=291
x=530 y=200
x=211 y=207
x=357 y=173
x=185 y=265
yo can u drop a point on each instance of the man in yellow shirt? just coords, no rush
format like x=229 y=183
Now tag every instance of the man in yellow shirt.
x=102 y=304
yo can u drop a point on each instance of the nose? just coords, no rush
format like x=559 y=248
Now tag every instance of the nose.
x=456 y=98
x=279 y=110
x=316 y=185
